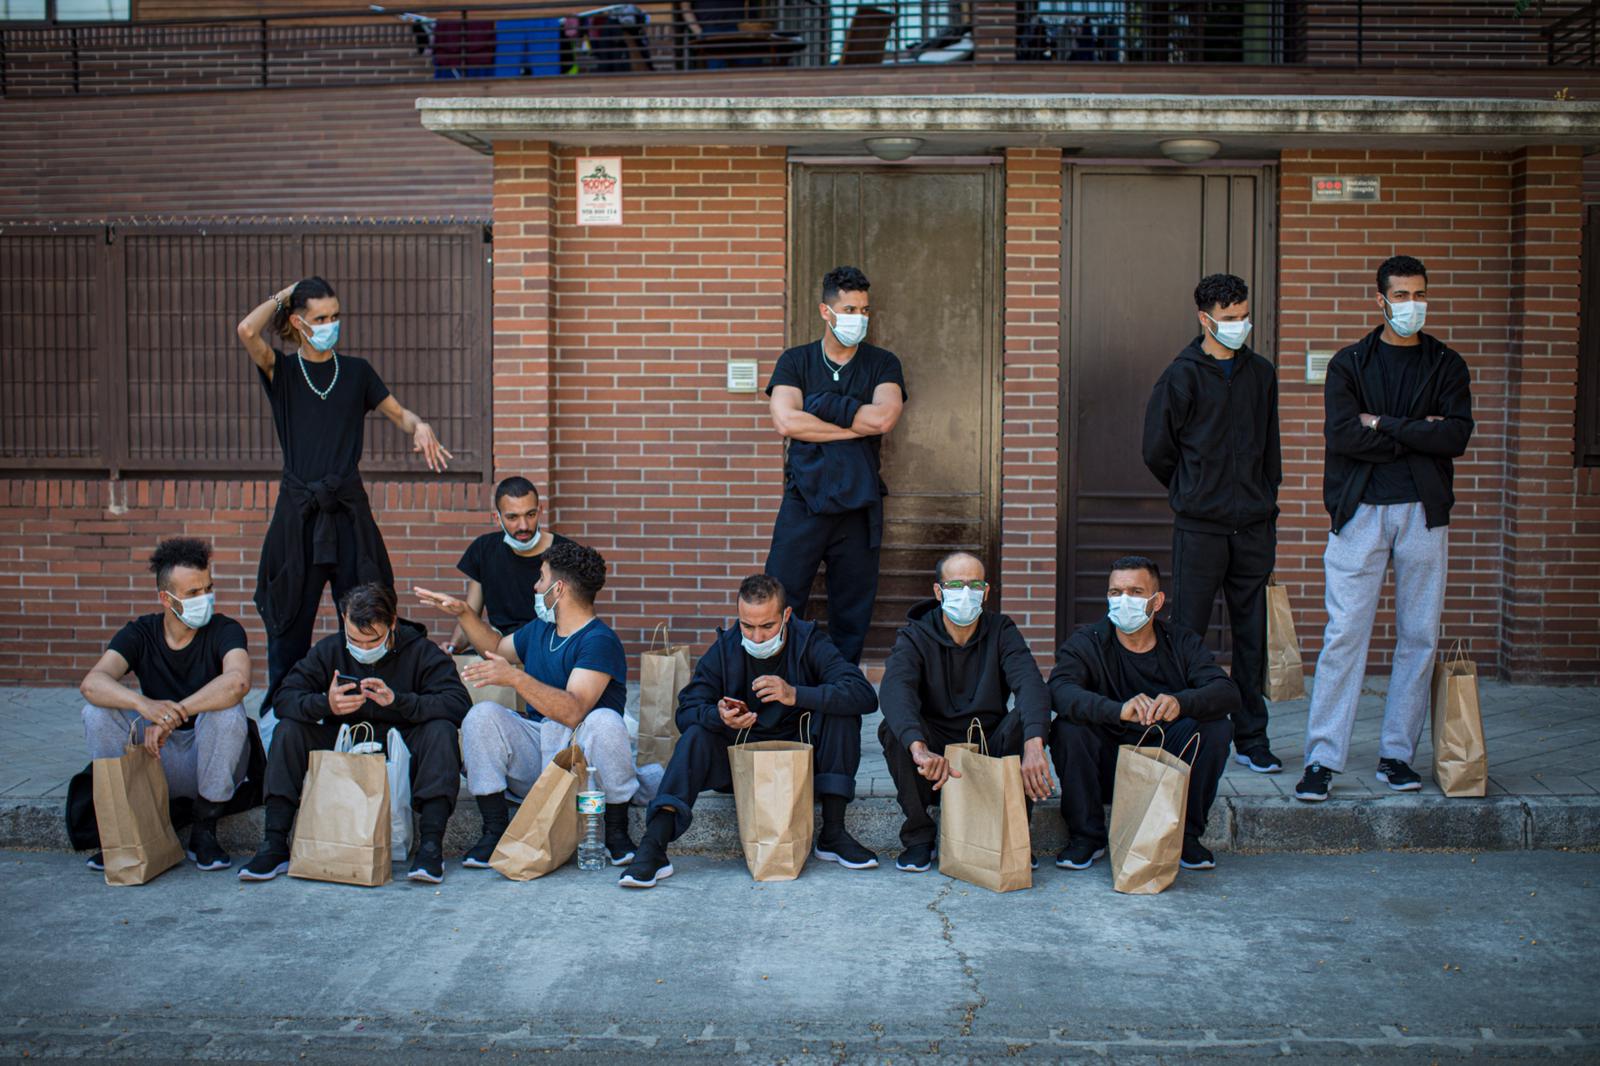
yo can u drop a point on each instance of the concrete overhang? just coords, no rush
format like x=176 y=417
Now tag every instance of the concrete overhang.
x=1089 y=124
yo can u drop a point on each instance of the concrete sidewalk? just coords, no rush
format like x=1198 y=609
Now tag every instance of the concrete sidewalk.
x=1544 y=790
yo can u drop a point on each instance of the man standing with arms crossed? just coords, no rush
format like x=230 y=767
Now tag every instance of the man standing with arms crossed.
x=1211 y=437
x=833 y=400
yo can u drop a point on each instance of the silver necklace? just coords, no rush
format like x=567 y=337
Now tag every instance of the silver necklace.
x=322 y=394
x=830 y=364
x=554 y=647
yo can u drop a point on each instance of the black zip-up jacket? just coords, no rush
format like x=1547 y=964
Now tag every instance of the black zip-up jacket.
x=824 y=681
x=927 y=671
x=1212 y=440
x=422 y=677
x=1084 y=688
x=1355 y=387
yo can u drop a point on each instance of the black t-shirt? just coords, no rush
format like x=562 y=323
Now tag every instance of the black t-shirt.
x=168 y=674
x=807 y=369
x=1400 y=370
x=754 y=668
x=1141 y=672
x=321 y=437
x=507 y=579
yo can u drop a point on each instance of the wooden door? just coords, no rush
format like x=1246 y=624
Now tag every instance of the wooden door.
x=927 y=239
x=1137 y=240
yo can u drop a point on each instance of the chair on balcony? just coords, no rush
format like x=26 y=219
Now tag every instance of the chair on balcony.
x=868 y=35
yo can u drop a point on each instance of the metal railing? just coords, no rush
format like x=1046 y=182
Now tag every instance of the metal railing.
x=551 y=39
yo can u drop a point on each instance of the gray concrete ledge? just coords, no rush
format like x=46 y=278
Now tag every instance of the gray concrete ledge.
x=1238 y=824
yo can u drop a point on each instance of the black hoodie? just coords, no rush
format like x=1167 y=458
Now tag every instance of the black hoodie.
x=1212 y=440
x=928 y=676
x=1088 y=685
x=1355 y=388
x=824 y=681
x=422 y=677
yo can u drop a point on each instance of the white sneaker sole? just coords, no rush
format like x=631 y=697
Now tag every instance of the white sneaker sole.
x=1311 y=797
x=829 y=856
x=1415 y=786
x=1099 y=853
x=221 y=864
x=476 y=864
x=924 y=868
x=625 y=860
x=1244 y=761
x=281 y=868
x=420 y=874
x=661 y=875
x=1212 y=865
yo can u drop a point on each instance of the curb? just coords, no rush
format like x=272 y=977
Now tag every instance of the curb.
x=1238 y=824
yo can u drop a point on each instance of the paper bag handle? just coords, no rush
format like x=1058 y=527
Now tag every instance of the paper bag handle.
x=348 y=732
x=660 y=628
x=1195 y=741
x=805 y=728
x=1455 y=654
x=738 y=738
x=983 y=741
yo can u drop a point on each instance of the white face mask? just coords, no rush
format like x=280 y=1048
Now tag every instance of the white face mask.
x=1405 y=319
x=322 y=337
x=367 y=656
x=962 y=606
x=519 y=546
x=1129 y=613
x=545 y=614
x=767 y=648
x=849 y=329
x=195 y=611
x=1230 y=335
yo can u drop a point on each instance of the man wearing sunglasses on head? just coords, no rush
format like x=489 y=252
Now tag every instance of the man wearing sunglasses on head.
x=954 y=664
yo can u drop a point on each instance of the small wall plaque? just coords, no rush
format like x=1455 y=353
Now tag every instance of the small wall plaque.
x=1317 y=367
x=743 y=375
x=1346 y=188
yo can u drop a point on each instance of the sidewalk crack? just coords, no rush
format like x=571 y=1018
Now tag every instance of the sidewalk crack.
x=979 y=1000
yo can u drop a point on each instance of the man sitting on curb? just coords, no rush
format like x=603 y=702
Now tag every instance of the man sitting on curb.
x=573 y=677
x=762 y=677
x=194 y=671
x=1113 y=680
x=953 y=663
x=405 y=681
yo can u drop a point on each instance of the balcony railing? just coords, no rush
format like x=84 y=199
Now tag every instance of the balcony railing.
x=555 y=40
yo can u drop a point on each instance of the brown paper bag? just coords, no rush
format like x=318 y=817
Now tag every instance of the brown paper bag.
x=130 y=804
x=342 y=833
x=544 y=834
x=1460 y=758
x=663 y=673
x=983 y=825
x=1286 y=679
x=504 y=695
x=1148 y=806
x=772 y=794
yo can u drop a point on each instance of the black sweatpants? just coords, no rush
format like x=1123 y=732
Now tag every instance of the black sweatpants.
x=435 y=748
x=915 y=792
x=802 y=541
x=285 y=650
x=700 y=761
x=1086 y=761
x=1238 y=565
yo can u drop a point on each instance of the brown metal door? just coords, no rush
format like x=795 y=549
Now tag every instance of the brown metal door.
x=927 y=239
x=1137 y=240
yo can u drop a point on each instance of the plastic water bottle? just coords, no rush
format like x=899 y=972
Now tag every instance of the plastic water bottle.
x=592 y=809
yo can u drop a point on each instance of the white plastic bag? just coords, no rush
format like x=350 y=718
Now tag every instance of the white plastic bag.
x=401 y=819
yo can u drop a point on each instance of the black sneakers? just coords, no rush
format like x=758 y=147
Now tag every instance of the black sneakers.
x=1196 y=856
x=649 y=866
x=205 y=851
x=478 y=856
x=842 y=848
x=1259 y=760
x=1398 y=775
x=97 y=861
x=269 y=862
x=1080 y=856
x=619 y=845
x=917 y=859
x=429 y=863
x=1314 y=786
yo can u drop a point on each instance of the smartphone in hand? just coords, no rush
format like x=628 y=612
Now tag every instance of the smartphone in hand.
x=346 y=679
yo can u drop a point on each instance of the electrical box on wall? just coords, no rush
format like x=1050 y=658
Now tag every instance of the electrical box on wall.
x=1317 y=367
x=744 y=375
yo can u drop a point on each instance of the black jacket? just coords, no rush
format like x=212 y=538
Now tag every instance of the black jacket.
x=824 y=682
x=1354 y=388
x=1084 y=688
x=421 y=675
x=838 y=476
x=927 y=671
x=312 y=512
x=1212 y=440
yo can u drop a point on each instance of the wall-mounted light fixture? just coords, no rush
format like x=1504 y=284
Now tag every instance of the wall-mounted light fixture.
x=893 y=149
x=1190 y=149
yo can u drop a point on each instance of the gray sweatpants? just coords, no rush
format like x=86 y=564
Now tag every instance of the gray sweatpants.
x=506 y=752
x=207 y=761
x=1355 y=561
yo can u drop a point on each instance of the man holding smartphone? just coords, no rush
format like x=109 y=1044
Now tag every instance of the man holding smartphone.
x=762 y=677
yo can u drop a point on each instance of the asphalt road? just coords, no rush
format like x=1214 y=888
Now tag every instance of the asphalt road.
x=1408 y=957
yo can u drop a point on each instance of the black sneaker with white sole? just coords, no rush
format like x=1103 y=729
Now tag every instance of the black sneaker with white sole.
x=1080 y=856
x=1196 y=856
x=1259 y=760
x=1314 y=784
x=96 y=862
x=428 y=865
x=269 y=862
x=916 y=859
x=1399 y=775
x=844 y=849
x=649 y=866
x=205 y=851
x=478 y=856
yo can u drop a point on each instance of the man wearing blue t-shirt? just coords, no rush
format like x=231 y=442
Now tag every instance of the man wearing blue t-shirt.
x=573 y=676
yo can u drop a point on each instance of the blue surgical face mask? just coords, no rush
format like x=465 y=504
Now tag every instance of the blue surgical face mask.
x=766 y=649
x=367 y=656
x=850 y=330
x=1230 y=335
x=1129 y=613
x=1405 y=319
x=962 y=606
x=195 y=611
x=546 y=614
x=324 y=336
x=518 y=546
